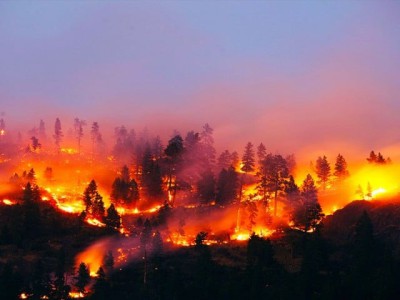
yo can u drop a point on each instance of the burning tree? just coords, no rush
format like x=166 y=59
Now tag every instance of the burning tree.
x=93 y=202
x=272 y=177
x=125 y=191
x=173 y=154
x=248 y=161
x=308 y=212
x=2 y=127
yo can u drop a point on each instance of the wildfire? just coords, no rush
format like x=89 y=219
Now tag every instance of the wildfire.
x=8 y=202
x=69 y=150
x=95 y=222
x=181 y=240
x=136 y=211
x=76 y=295
x=244 y=235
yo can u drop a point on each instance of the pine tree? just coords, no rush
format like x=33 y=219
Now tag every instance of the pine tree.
x=113 y=219
x=95 y=137
x=224 y=160
x=58 y=134
x=207 y=147
x=89 y=196
x=98 y=210
x=248 y=161
x=108 y=262
x=78 y=127
x=372 y=157
x=227 y=186
x=82 y=278
x=323 y=170
x=101 y=286
x=341 y=171
x=272 y=177
x=261 y=153
x=206 y=187
x=308 y=212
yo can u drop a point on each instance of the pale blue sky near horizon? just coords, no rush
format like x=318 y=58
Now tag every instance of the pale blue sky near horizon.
x=269 y=67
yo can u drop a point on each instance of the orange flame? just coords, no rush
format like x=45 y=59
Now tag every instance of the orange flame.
x=95 y=222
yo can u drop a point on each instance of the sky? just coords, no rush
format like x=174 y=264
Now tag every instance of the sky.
x=299 y=76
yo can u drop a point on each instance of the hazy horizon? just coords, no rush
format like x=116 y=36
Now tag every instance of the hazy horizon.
x=304 y=77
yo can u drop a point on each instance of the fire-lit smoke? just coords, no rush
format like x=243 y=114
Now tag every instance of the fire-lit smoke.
x=123 y=250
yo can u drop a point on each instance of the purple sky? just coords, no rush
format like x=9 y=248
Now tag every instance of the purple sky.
x=295 y=75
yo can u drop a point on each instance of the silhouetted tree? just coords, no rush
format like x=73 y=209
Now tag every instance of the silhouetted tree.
x=323 y=170
x=200 y=237
x=173 y=154
x=151 y=180
x=291 y=163
x=82 y=278
x=78 y=127
x=308 y=212
x=98 y=210
x=261 y=153
x=31 y=209
x=207 y=147
x=42 y=131
x=95 y=136
x=90 y=195
x=272 y=177
x=58 y=134
x=108 y=262
x=101 y=287
x=206 y=187
x=144 y=240
x=227 y=186
x=112 y=219
x=224 y=160
x=124 y=190
x=248 y=160
x=341 y=171
x=35 y=145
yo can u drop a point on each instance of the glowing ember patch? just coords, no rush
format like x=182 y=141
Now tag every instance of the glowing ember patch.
x=76 y=295
x=44 y=198
x=23 y=296
x=69 y=150
x=240 y=236
x=66 y=208
x=244 y=235
x=378 y=191
x=95 y=222
x=8 y=202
